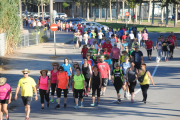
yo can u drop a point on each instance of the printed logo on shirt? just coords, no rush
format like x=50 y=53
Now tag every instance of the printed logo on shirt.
x=4 y=89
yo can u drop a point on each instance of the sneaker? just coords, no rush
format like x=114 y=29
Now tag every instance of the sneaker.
x=167 y=59
x=98 y=104
x=92 y=105
x=57 y=106
x=65 y=105
x=52 y=101
x=76 y=107
x=119 y=101
x=42 y=108
x=144 y=102
x=82 y=105
x=103 y=93
x=27 y=118
x=132 y=101
x=47 y=105
x=7 y=117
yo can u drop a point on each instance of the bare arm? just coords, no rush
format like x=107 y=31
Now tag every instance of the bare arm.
x=141 y=59
x=37 y=84
x=49 y=84
x=35 y=92
x=10 y=96
x=16 y=93
x=90 y=69
x=90 y=81
x=150 y=77
x=100 y=80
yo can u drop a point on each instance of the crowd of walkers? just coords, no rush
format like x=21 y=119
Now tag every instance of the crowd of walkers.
x=114 y=58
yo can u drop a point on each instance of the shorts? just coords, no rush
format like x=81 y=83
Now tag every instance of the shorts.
x=75 y=42
x=137 y=66
x=4 y=101
x=104 y=82
x=26 y=100
x=78 y=93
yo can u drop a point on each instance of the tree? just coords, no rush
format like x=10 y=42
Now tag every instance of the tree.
x=10 y=22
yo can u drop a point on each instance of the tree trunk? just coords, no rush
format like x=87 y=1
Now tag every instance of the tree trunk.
x=162 y=14
x=20 y=11
x=95 y=14
x=38 y=10
x=136 y=12
x=153 y=13
x=42 y=12
x=117 y=10
x=175 y=15
x=106 y=15
x=149 y=12
x=88 y=11
x=73 y=9
x=110 y=10
x=140 y=13
x=167 y=14
x=51 y=17
x=99 y=12
x=122 y=9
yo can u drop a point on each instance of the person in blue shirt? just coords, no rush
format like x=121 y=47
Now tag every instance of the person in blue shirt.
x=108 y=61
x=124 y=66
x=84 y=29
x=121 y=32
x=67 y=68
x=124 y=44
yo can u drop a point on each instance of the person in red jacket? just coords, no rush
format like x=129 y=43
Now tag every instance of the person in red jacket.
x=84 y=51
x=107 y=45
x=149 y=46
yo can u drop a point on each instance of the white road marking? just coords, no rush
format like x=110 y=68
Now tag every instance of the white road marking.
x=151 y=75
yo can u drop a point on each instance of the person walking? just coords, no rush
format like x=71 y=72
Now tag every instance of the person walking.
x=107 y=45
x=44 y=85
x=62 y=84
x=5 y=97
x=53 y=78
x=84 y=51
x=165 y=48
x=59 y=25
x=118 y=80
x=115 y=54
x=67 y=68
x=78 y=86
x=149 y=46
x=159 y=48
x=144 y=37
x=137 y=57
x=104 y=69
x=96 y=82
x=124 y=66
x=171 y=46
x=27 y=85
x=86 y=71
x=139 y=37
x=145 y=84
x=132 y=76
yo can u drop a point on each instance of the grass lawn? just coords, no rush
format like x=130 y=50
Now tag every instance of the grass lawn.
x=141 y=27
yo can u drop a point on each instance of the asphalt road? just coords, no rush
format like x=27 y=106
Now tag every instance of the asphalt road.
x=162 y=102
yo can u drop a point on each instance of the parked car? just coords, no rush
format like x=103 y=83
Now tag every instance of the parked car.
x=62 y=15
x=178 y=16
x=57 y=19
x=93 y=25
x=75 y=20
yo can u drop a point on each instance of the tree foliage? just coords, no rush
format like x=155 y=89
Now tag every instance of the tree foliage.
x=10 y=22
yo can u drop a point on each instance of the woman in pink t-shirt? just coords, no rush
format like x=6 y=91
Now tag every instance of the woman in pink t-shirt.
x=53 y=78
x=171 y=46
x=5 y=97
x=144 y=37
x=44 y=84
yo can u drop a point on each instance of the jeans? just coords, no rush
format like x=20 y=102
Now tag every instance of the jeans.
x=159 y=53
x=166 y=53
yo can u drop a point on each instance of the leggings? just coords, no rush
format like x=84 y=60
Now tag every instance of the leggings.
x=144 y=89
x=171 y=50
x=94 y=88
x=79 y=43
x=118 y=86
x=78 y=91
x=149 y=52
x=166 y=53
x=53 y=87
x=59 y=92
x=43 y=95
x=86 y=84
x=132 y=86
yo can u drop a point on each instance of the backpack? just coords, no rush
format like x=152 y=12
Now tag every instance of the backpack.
x=120 y=74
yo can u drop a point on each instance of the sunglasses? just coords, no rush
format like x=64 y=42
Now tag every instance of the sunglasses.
x=126 y=48
x=117 y=66
x=25 y=73
x=54 y=65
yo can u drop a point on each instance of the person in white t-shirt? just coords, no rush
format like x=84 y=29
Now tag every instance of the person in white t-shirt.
x=112 y=40
x=85 y=37
x=139 y=37
x=110 y=33
x=131 y=37
x=39 y=24
x=34 y=24
x=100 y=35
x=70 y=25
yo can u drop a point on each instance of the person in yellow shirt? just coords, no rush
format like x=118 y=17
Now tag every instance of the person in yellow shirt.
x=124 y=53
x=27 y=84
x=145 y=84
